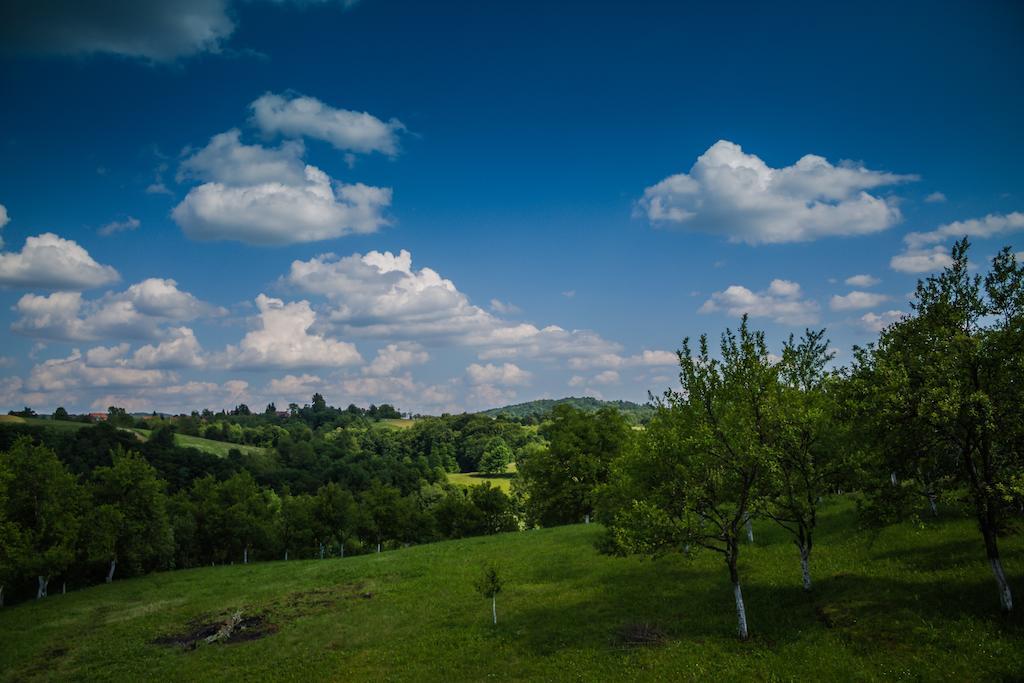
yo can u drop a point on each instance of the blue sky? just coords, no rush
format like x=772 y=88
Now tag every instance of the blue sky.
x=578 y=187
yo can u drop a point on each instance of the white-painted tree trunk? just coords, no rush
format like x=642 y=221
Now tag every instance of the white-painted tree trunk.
x=892 y=478
x=586 y=518
x=285 y=555
x=805 y=567
x=41 y=592
x=64 y=588
x=750 y=530
x=343 y=551
x=741 y=611
x=378 y=547
x=932 y=504
x=494 y=609
x=245 y=555
x=321 y=551
x=1005 y=597
x=110 y=574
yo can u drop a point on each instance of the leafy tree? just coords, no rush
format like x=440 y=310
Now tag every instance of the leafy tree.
x=559 y=481
x=44 y=504
x=497 y=457
x=337 y=514
x=131 y=525
x=119 y=417
x=810 y=457
x=699 y=472
x=940 y=396
x=61 y=414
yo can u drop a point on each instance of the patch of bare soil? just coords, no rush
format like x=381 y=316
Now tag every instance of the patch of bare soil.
x=229 y=630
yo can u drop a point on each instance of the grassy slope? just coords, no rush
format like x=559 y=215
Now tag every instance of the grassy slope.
x=917 y=603
x=218 y=448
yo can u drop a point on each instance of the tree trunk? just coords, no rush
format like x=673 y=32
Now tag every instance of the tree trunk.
x=110 y=574
x=343 y=551
x=245 y=555
x=586 y=518
x=992 y=551
x=494 y=609
x=41 y=592
x=321 y=551
x=750 y=530
x=805 y=566
x=931 y=503
x=892 y=478
x=378 y=547
x=741 y=612
x=1005 y=597
x=285 y=555
x=64 y=588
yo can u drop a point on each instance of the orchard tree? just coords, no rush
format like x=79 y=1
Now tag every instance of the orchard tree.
x=700 y=470
x=952 y=376
x=810 y=459
x=488 y=584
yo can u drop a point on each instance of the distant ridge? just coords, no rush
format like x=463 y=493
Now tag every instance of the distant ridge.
x=635 y=412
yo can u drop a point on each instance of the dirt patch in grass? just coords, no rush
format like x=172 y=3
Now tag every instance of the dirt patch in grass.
x=202 y=631
x=253 y=623
x=640 y=634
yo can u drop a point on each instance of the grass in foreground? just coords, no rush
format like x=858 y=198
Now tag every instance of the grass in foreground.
x=916 y=603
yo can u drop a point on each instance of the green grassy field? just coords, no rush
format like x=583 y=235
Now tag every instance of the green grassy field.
x=502 y=481
x=396 y=423
x=916 y=603
x=218 y=448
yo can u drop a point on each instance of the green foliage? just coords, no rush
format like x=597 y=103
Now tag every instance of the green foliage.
x=559 y=481
x=489 y=582
x=938 y=400
x=41 y=519
x=535 y=412
x=497 y=457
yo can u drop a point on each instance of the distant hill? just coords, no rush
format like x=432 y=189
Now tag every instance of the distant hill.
x=634 y=412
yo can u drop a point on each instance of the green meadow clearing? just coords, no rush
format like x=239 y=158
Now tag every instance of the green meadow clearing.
x=914 y=602
x=218 y=448
x=503 y=481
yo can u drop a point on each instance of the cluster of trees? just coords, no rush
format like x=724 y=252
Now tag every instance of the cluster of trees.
x=931 y=411
x=122 y=518
x=96 y=502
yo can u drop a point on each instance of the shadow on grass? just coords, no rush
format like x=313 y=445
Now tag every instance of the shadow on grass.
x=693 y=602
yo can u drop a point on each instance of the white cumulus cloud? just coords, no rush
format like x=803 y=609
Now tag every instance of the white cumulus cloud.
x=732 y=193
x=284 y=340
x=48 y=261
x=507 y=374
x=781 y=302
x=298 y=116
x=856 y=300
x=862 y=281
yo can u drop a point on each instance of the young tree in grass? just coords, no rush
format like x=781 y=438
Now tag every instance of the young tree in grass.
x=810 y=458
x=488 y=584
x=953 y=375
x=700 y=468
